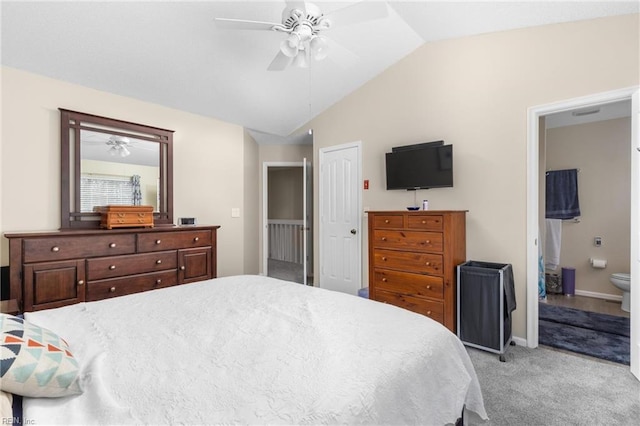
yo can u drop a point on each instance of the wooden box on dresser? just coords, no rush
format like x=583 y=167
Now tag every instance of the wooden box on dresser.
x=412 y=260
x=53 y=269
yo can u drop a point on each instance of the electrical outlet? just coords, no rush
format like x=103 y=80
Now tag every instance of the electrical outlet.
x=235 y=212
x=597 y=241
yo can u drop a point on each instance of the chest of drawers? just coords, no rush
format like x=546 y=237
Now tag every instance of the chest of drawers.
x=53 y=269
x=412 y=260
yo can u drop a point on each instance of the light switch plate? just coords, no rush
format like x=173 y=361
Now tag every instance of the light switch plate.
x=235 y=212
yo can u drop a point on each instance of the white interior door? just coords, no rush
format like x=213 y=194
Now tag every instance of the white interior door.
x=635 y=234
x=339 y=227
x=307 y=212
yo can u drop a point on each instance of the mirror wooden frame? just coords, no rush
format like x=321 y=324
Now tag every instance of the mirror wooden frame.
x=71 y=123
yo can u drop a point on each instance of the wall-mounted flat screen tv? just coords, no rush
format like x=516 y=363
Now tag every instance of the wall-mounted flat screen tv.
x=420 y=168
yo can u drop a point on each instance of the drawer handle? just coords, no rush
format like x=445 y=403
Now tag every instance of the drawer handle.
x=112 y=245
x=386 y=221
x=424 y=221
x=384 y=258
x=112 y=267
x=55 y=248
x=112 y=289
x=428 y=242
x=140 y=220
x=429 y=313
x=428 y=287
x=384 y=238
x=196 y=239
x=182 y=268
x=141 y=214
x=158 y=241
x=427 y=263
x=384 y=280
x=159 y=261
x=120 y=221
x=81 y=282
x=158 y=281
x=121 y=214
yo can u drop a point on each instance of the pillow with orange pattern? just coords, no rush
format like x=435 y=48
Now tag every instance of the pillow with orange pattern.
x=34 y=361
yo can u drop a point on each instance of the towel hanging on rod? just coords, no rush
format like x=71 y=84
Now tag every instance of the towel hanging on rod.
x=562 y=194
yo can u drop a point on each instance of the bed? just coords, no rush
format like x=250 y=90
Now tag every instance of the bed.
x=256 y=350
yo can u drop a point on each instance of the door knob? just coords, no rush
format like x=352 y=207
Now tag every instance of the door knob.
x=353 y=231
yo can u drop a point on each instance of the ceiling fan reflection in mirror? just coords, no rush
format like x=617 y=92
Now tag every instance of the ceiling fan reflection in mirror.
x=303 y=23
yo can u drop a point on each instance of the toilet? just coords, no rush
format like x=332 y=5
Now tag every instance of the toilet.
x=623 y=282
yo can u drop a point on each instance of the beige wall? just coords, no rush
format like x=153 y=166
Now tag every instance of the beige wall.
x=285 y=193
x=474 y=93
x=209 y=176
x=252 y=213
x=601 y=152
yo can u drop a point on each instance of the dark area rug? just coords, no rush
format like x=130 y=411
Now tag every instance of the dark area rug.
x=588 y=333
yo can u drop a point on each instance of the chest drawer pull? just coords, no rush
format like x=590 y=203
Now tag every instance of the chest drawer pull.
x=429 y=313
x=158 y=282
x=386 y=221
x=384 y=280
x=141 y=214
x=182 y=268
x=159 y=261
x=55 y=248
x=384 y=238
x=427 y=263
x=428 y=242
x=158 y=241
x=196 y=239
x=112 y=289
x=384 y=258
x=112 y=245
x=112 y=267
x=428 y=287
x=81 y=282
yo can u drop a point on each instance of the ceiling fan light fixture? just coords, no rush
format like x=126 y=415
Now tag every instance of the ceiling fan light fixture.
x=290 y=45
x=301 y=60
x=319 y=47
x=124 y=152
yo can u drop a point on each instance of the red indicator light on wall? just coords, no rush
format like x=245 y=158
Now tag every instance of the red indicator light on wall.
x=366 y=184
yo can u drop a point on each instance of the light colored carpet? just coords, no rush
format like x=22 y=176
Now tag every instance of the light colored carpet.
x=544 y=386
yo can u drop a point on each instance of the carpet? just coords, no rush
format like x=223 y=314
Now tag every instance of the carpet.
x=588 y=333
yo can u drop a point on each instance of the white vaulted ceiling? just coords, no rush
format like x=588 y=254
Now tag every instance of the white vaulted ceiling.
x=173 y=54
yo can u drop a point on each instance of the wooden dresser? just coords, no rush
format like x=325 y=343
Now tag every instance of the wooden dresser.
x=53 y=269
x=412 y=260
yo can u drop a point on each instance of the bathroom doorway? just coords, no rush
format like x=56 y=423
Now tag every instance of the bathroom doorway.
x=535 y=181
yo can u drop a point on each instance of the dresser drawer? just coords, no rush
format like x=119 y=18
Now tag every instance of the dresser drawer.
x=117 y=266
x=408 y=240
x=429 y=222
x=157 y=241
x=434 y=310
x=58 y=248
x=389 y=221
x=103 y=289
x=409 y=284
x=408 y=261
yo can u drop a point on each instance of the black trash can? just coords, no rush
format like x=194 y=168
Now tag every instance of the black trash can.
x=486 y=299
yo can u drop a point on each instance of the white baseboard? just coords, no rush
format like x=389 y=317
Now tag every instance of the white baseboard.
x=519 y=341
x=595 y=295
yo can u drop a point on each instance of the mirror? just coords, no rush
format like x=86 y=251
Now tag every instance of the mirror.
x=112 y=162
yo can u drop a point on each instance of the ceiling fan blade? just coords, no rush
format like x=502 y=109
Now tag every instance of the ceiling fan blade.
x=358 y=12
x=241 y=24
x=280 y=62
x=341 y=55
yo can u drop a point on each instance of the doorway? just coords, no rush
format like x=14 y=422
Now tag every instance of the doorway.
x=287 y=210
x=534 y=175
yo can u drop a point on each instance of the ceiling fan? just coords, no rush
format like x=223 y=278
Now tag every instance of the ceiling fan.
x=303 y=23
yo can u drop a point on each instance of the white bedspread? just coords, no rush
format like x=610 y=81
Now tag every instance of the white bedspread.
x=256 y=350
